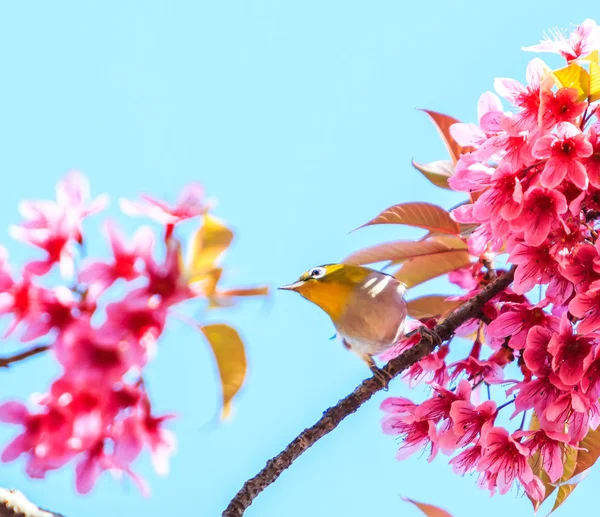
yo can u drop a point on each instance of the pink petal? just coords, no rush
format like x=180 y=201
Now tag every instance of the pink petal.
x=13 y=413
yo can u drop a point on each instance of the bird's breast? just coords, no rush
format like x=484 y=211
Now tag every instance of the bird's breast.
x=373 y=318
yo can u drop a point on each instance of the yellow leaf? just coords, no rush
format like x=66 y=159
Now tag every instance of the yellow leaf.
x=594 y=82
x=420 y=269
x=229 y=352
x=437 y=172
x=397 y=252
x=592 y=57
x=569 y=465
x=535 y=462
x=575 y=462
x=430 y=306
x=587 y=457
x=428 y=509
x=574 y=76
x=421 y=215
x=208 y=281
x=206 y=247
x=443 y=123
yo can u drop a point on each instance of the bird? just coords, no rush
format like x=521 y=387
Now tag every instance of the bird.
x=367 y=307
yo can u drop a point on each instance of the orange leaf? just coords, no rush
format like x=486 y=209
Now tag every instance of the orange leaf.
x=577 y=462
x=437 y=172
x=228 y=349
x=428 y=509
x=431 y=306
x=442 y=123
x=245 y=291
x=421 y=215
x=420 y=269
x=452 y=241
x=207 y=245
x=398 y=251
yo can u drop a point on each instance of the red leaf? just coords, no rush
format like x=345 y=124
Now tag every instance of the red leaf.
x=429 y=509
x=442 y=123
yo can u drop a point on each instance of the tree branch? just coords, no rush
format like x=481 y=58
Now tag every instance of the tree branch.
x=14 y=504
x=348 y=405
x=5 y=362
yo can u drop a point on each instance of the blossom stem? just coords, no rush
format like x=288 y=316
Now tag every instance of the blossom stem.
x=506 y=404
x=5 y=362
x=523 y=420
x=592 y=231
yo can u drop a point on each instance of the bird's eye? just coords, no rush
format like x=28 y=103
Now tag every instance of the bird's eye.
x=317 y=272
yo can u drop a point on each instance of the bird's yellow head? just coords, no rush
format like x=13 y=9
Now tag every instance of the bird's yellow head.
x=330 y=286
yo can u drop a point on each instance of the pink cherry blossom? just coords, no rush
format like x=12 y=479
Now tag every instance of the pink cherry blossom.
x=569 y=352
x=505 y=457
x=516 y=321
x=531 y=176
x=438 y=407
x=100 y=275
x=592 y=163
x=467 y=460
x=416 y=435
x=471 y=421
x=550 y=445
x=586 y=306
x=564 y=152
x=541 y=208
x=189 y=204
x=55 y=227
x=583 y=40
x=560 y=106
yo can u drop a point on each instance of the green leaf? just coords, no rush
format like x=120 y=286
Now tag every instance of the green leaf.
x=437 y=172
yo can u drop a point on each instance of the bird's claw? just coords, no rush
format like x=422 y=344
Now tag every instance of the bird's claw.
x=427 y=334
x=382 y=376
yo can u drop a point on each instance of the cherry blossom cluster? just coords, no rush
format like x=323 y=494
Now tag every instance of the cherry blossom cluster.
x=101 y=323
x=532 y=173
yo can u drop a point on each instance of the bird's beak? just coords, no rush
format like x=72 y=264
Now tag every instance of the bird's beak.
x=292 y=287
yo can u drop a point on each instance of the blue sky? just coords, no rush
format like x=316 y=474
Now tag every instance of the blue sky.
x=300 y=118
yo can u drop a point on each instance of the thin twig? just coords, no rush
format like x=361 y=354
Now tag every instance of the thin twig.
x=350 y=404
x=489 y=265
x=5 y=362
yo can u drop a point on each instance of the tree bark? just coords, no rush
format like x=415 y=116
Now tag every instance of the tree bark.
x=14 y=504
x=348 y=405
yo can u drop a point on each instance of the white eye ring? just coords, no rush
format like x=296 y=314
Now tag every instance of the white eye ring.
x=317 y=272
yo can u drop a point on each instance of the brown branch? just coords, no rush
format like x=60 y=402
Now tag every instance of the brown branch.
x=5 y=362
x=348 y=405
x=14 y=504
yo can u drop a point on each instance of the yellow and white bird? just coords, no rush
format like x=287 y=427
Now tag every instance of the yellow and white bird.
x=367 y=307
